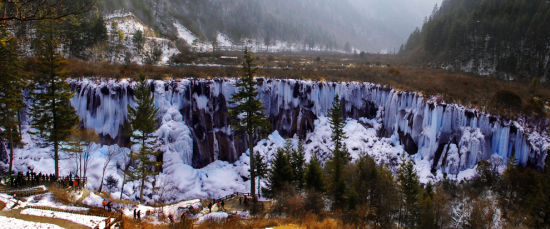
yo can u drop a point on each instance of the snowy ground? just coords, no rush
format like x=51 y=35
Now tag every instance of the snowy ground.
x=86 y=220
x=214 y=216
x=171 y=209
x=41 y=200
x=46 y=200
x=12 y=223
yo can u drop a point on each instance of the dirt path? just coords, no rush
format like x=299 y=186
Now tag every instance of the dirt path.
x=39 y=219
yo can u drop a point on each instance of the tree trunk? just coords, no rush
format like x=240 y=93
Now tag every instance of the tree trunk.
x=124 y=175
x=10 y=133
x=142 y=185
x=19 y=124
x=252 y=173
x=259 y=185
x=54 y=105
x=56 y=157
x=101 y=184
x=123 y=182
x=86 y=160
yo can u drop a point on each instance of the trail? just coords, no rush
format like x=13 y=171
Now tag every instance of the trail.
x=59 y=222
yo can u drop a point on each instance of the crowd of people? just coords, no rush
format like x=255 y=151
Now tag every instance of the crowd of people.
x=220 y=204
x=32 y=178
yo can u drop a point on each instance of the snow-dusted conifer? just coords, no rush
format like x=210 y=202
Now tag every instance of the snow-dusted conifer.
x=297 y=161
x=340 y=156
x=247 y=115
x=143 y=120
x=53 y=115
x=12 y=83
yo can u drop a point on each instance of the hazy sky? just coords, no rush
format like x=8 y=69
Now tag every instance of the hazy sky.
x=400 y=16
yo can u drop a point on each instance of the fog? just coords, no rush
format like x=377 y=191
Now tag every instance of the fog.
x=368 y=25
x=398 y=16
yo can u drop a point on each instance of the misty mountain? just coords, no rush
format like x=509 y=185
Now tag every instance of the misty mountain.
x=370 y=25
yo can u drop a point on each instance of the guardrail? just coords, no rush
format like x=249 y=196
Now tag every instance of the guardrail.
x=20 y=181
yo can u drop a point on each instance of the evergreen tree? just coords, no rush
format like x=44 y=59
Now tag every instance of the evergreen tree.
x=53 y=115
x=280 y=175
x=12 y=83
x=247 y=114
x=81 y=32
x=297 y=161
x=340 y=156
x=409 y=186
x=139 y=40
x=427 y=216
x=337 y=124
x=375 y=189
x=261 y=169
x=314 y=175
x=143 y=120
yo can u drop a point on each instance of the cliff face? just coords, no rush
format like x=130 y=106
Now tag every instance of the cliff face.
x=451 y=137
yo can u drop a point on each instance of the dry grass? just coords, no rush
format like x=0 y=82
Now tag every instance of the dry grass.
x=60 y=195
x=309 y=221
x=2 y=205
x=129 y=223
x=460 y=88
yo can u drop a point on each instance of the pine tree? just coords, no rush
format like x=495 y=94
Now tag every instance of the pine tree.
x=409 y=185
x=340 y=156
x=138 y=40
x=143 y=120
x=261 y=169
x=297 y=161
x=12 y=83
x=53 y=115
x=426 y=217
x=337 y=124
x=314 y=179
x=247 y=114
x=280 y=175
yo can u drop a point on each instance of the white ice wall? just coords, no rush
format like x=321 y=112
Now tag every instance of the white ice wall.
x=463 y=135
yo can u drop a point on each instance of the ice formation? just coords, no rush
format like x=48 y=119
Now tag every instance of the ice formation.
x=452 y=137
x=204 y=158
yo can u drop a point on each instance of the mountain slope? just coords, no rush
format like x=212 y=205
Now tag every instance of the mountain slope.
x=508 y=38
x=313 y=23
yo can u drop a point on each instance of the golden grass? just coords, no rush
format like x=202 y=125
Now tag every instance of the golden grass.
x=129 y=223
x=309 y=221
x=60 y=195
x=460 y=88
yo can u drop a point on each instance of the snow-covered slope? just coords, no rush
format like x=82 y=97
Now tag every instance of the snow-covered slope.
x=121 y=27
x=223 y=42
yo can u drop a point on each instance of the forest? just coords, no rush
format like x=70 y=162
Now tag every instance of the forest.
x=509 y=39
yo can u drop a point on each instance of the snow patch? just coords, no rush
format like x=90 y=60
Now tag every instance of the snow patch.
x=86 y=220
x=13 y=223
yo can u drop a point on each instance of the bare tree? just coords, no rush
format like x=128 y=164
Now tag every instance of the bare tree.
x=36 y=10
x=81 y=144
x=112 y=153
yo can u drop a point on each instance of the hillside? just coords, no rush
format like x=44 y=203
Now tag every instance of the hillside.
x=324 y=24
x=483 y=37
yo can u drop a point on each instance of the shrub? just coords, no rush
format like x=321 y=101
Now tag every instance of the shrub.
x=60 y=195
x=394 y=71
x=314 y=202
x=111 y=183
x=506 y=102
x=534 y=107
